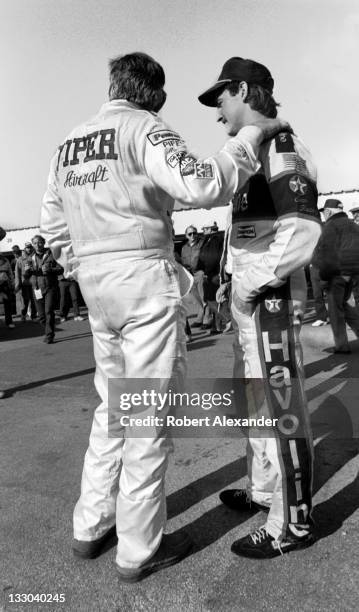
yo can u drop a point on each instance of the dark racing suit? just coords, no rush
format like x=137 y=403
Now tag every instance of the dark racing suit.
x=272 y=231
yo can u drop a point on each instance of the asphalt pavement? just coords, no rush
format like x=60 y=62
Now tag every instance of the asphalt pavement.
x=45 y=423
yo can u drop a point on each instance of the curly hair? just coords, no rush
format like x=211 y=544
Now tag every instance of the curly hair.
x=258 y=98
x=138 y=78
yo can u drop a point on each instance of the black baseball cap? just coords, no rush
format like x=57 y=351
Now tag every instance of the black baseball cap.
x=333 y=203
x=238 y=69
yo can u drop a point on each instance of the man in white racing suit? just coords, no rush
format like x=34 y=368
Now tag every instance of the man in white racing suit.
x=106 y=216
x=272 y=230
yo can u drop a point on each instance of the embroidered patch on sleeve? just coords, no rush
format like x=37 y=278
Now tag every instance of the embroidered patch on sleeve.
x=204 y=171
x=284 y=143
x=187 y=165
x=298 y=184
x=161 y=136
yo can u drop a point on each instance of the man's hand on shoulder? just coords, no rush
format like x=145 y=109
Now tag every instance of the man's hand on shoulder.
x=271 y=127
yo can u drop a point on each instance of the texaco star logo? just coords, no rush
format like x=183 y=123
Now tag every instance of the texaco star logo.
x=273 y=305
x=297 y=184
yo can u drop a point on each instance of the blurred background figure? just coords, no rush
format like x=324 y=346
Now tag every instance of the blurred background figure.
x=42 y=272
x=23 y=283
x=69 y=291
x=189 y=259
x=337 y=254
x=355 y=213
x=6 y=289
x=355 y=277
x=19 y=304
x=209 y=261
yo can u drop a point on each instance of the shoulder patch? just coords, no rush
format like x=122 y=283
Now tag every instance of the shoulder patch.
x=156 y=138
x=284 y=143
x=204 y=171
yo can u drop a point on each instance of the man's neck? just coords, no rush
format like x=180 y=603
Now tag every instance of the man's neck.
x=250 y=116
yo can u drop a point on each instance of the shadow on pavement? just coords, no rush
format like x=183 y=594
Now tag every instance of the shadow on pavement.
x=191 y=494
x=45 y=381
x=73 y=337
x=331 y=454
x=22 y=330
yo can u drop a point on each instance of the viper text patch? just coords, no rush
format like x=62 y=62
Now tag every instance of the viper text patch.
x=91 y=147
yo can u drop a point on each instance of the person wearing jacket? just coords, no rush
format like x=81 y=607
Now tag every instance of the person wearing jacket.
x=42 y=271
x=209 y=260
x=273 y=227
x=337 y=256
x=2 y=236
x=6 y=289
x=189 y=257
x=23 y=283
x=106 y=215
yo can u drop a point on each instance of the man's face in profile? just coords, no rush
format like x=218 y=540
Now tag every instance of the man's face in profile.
x=230 y=111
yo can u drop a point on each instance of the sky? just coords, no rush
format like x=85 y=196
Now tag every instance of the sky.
x=55 y=75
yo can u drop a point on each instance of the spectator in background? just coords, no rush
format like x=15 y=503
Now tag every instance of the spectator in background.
x=2 y=236
x=355 y=213
x=17 y=253
x=189 y=257
x=355 y=277
x=23 y=283
x=337 y=254
x=19 y=304
x=42 y=271
x=69 y=289
x=318 y=295
x=318 y=291
x=209 y=261
x=6 y=289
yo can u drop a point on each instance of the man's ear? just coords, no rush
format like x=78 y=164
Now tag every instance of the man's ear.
x=243 y=90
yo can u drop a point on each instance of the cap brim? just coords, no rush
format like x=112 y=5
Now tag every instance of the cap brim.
x=209 y=97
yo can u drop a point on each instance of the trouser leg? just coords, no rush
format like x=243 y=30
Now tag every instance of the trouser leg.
x=40 y=307
x=7 y=311
x=74 y=297
x=25 y=300
x=355 y=281
x=64 y=301
x=197 y=294
x=49 y=299
x=319 y=303
x=280 y=467
x=136 y=335
x=336 y=300
x=351 y=313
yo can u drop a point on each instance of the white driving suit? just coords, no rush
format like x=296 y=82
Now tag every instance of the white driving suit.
x=272 y=231
x=107 y=216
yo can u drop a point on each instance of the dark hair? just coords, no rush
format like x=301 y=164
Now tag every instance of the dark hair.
x=258 y=98
x=138 y=78
x=38 y=236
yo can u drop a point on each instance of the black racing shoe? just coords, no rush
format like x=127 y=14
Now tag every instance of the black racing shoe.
x=173 y=548
x=237 y=499
x=92 y=549
x=261 y=545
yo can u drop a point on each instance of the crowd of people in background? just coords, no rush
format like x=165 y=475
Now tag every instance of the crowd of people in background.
x=32 y=284
x=333 y=276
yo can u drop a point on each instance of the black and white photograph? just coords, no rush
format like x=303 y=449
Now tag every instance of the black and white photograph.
x=179 y=306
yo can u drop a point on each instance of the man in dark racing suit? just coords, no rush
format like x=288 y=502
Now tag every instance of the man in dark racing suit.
x=272 y=230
